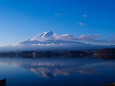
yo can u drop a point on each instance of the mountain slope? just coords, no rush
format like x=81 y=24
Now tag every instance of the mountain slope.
x=49 y=38
x=51 y=41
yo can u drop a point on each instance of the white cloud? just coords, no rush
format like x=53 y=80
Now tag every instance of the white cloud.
x=16 y=45
x=60 y=14
x=70 y=37
x=84 y=16
x=80 y=23
x=87 y=37
x=48 y=44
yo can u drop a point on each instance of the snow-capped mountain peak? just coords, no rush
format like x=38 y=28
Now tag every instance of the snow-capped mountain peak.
x=47 y=34
x=50 y=38
x=43 y=36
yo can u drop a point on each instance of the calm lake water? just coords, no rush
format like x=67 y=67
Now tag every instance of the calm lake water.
x=61 y=71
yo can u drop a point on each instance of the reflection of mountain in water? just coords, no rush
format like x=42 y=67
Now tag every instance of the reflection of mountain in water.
x=53 y=67
x=52 y=72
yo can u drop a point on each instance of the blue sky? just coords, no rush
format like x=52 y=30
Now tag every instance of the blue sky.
x=20 y=20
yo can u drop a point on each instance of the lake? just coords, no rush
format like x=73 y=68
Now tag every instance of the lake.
x=59 y=71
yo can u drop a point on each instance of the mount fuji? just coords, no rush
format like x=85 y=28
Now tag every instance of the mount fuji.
x=52 y=41
x=49 y=38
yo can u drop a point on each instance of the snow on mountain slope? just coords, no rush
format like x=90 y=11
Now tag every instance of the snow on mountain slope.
x=46 y=35
x=50 y=38
x=52 y=41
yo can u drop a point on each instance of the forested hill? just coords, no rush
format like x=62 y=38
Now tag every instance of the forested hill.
x=106 y=51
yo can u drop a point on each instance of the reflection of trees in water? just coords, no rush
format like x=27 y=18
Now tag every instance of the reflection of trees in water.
x=106 y=57
x=111 y=84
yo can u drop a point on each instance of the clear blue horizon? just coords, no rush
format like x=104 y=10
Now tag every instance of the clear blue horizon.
x=20 y=20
